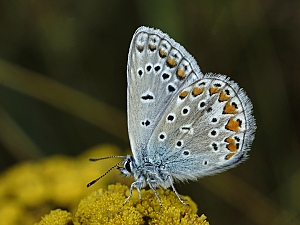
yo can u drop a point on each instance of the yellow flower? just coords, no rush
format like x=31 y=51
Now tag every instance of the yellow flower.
x=57 y=217
x=31 y=189
x=106 y=207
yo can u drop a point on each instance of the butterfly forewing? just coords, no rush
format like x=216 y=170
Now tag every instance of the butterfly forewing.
x=158 y=68
x=207 y=128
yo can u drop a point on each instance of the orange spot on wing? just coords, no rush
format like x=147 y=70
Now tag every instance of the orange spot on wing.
x=228 y=156
x=223 y=96
x=213 y=90
x=180 y=73
x=233 y=125
x=171 y=62
x=183 y=94
x=231 y=144
x=152 y=47
x=229 y=108
x=162 y=53
x=197 y=91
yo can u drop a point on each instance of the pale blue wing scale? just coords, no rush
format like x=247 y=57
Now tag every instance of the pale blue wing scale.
x=157 y=68
x=208 y=127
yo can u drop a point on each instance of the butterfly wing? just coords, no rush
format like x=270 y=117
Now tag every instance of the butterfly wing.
x=157 y=68
x=208 y=127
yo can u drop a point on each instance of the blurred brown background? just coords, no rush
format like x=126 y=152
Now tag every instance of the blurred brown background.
x=63 y=87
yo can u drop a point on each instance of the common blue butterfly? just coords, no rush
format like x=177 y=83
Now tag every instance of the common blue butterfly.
x=182 y=124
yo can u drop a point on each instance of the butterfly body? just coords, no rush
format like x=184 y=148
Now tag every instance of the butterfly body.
x=182 y=124
x=145 y=173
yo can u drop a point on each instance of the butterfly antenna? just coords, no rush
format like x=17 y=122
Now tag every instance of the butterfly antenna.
x=94 y=181
x=109 y=157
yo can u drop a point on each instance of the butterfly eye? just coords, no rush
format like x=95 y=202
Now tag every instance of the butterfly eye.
x=128 y=166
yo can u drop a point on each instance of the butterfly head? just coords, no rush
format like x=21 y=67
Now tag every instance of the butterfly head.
x=129 y=166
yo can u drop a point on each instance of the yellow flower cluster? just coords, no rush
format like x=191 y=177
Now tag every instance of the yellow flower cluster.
x=57 y=217
x=30 y=190
x=106 y=207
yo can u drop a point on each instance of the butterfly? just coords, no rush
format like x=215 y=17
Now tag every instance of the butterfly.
x=182 y=124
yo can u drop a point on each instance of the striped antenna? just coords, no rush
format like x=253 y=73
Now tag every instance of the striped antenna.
x=109 y=157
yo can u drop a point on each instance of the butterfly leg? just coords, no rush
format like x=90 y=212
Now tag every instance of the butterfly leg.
x=176 y=193
x=133 y=185
x=155 y=192
x=139 y=192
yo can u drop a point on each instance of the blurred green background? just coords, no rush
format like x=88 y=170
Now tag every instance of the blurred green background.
x=63 y=87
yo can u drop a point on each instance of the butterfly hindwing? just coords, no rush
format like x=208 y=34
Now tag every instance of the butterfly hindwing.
x=207 y=128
